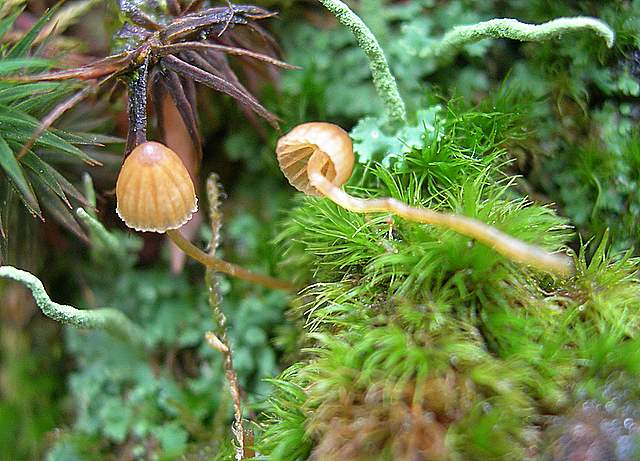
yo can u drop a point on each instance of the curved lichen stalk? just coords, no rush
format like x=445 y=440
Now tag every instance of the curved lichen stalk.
x=111 y=320
x=459 y=36
x=385 y=82
x=383 y=79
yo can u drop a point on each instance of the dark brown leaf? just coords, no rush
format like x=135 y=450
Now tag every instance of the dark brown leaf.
x=187 y=46
x=185 y=108
x=193 y=6
x=210 y=21
x=174 y=7
x=220 y=63
x=158 y=93
x=219 y=84
x=266 y=37
x=115 y=64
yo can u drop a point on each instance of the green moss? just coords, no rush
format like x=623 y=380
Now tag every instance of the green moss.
x=396 y=309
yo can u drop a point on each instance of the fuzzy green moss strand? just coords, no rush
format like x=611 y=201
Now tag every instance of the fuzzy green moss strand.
x=383 y=80
x=102 y=234
x=516 y=30
x=110 y=320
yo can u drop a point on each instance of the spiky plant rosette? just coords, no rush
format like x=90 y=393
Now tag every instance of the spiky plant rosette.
x=166 y=50
x=424 y=345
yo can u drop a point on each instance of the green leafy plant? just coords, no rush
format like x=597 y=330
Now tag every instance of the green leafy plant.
x=422 y=349
x=31 y=176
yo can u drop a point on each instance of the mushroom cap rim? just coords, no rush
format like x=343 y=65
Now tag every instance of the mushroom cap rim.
x=161 y=230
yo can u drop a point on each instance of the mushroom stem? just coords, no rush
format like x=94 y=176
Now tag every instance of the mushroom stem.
x=223 y=266
x=512 y=248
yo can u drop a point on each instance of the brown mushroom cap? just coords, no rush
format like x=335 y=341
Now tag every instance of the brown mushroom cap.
x=315 y=138
x=154 y=191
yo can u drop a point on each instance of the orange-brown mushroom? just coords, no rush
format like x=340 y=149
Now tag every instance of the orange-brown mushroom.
x=155 y=193
x=317 y=158
x=329 y=144
x=154 y=190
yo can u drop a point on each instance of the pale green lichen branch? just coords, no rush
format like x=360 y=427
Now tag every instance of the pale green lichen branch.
x=383 y=80
x=98 y=231
x=110 y=320
x=516 y=30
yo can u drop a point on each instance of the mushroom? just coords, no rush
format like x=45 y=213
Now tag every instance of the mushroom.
x=317 y=158
x=154 y=190
x=154 y=193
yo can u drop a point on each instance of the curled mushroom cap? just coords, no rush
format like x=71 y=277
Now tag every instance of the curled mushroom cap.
x=154 y=191
x=328 y=144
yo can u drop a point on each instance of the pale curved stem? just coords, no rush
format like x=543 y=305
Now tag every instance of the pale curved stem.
x=223 y=266
x=383 y=79
x=516 y=30
x=508 y=246
x=111 y=320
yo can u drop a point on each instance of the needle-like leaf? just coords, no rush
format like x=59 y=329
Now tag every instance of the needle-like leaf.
x=19 y=126
x=45 y=173
x=13 y=170
x=14 y=93
x=187 y=111
x=58 y=209
x=219 y=84
x=10 y=66
x=20 y=48
x=188 y=46
x=111 y=65
x=7 y=23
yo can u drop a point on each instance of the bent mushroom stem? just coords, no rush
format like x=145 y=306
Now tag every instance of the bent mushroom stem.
x=223 y=266
x=512 y=248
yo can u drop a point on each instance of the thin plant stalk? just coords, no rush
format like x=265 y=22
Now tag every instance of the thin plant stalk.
x=221 y=345
x=219 y=339
x=137 y=93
